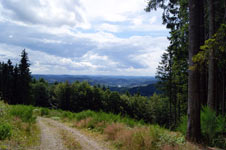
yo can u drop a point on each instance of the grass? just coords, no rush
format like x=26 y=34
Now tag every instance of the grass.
x=22 y=130
x=123 y=132
x=69 y=140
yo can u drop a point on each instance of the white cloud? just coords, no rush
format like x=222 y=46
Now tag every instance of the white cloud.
x=82 y=36
x=44 y=12
x=112 y=10
x=108 y=27
x=138 y=55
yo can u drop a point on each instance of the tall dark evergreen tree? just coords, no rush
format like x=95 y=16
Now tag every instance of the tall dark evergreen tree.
x=24 y=79
x=172 y=71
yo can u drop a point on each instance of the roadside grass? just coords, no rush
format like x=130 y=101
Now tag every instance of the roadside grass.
x=123 y=132
x=69 y=140
x=20 y=129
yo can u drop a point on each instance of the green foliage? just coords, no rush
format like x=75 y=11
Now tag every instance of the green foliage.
x=5 y=127
x=40 y=93
x=44 y=111
x=106 y=117
x=213 y=127
x=208 y=123
x=36 y=112
x=3 y=110
x=221 y=124
x=5 y=131
x=158 y=109
x=84 y=115
x=217 y=42
x=25 y=113
x=182 y=127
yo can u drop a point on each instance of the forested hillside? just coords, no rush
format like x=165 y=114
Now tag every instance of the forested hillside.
x=107 y=81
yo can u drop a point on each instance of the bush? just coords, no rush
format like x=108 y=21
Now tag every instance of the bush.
x=25 y=113
x=208 y=123
x=44 y=111
x=84 y=114
x=213 y=127
x=5 y=131
x=182 y=127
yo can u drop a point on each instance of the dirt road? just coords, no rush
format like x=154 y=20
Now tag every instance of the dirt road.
x=52 y=140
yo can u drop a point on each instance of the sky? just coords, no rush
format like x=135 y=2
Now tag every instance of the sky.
x=83 y=37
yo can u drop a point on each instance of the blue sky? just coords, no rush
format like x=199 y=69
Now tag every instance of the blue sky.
x=88 y=37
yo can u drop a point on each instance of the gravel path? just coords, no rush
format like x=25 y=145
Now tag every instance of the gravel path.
x=50 y=139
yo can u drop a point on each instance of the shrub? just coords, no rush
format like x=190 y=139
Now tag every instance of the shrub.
x=44 y=111
x=213 y=127
x=67 y=114
x=84 y=114
x=182 y=127
x=25 y=113
x=5 y=131
x=208 y=123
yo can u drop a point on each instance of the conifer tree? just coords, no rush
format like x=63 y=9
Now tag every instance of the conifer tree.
x=24 y=79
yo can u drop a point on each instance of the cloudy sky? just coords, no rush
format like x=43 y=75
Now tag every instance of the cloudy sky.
x=91 y=37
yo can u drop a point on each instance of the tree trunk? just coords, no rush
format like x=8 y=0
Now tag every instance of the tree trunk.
x=211 y=69
x=193 y=127
x=224 y=11
x=203 y=72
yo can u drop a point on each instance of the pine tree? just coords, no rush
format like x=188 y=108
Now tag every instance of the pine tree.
x=24 y=79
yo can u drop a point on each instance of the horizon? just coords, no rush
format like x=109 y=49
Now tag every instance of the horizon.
x=91 y=75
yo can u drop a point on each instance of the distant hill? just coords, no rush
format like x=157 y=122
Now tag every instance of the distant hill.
x=147 y=90
x=109 y=81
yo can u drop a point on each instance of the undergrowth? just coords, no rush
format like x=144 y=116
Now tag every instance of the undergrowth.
x=124 y=132
x=213 y=127
x=17 y=127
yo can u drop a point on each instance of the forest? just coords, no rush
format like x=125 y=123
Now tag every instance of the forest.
x=191 y=78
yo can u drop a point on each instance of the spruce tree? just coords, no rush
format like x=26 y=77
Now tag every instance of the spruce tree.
x=24 y=79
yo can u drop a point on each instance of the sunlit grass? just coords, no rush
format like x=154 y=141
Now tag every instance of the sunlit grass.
x=25 y=134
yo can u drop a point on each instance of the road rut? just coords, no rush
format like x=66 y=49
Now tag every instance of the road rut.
x=51 y=140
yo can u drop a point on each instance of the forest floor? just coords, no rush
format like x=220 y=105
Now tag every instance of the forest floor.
x=58 y=136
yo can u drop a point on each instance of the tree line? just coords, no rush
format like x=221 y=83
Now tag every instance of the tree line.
x=15 y=81
x=192 y=70
x=18 y=87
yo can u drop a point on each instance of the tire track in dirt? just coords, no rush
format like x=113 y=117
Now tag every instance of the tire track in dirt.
x=50 y=138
